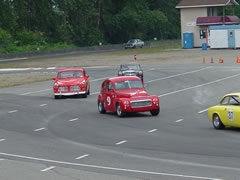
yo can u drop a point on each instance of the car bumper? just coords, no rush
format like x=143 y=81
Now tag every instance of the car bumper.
x=126 y=108
x=69 y=93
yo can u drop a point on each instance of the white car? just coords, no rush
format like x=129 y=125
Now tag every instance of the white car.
x=134 y=43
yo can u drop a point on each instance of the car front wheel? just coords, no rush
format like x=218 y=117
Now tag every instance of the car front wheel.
x=101 y=107
x=155 y=112
x=217 y=123
x=120 y=113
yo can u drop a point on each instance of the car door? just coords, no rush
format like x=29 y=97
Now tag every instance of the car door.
x=233 y=111
x=222 y=110
x=109 y=97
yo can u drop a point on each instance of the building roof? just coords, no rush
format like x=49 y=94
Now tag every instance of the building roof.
x=217 y=20
x=205 y=3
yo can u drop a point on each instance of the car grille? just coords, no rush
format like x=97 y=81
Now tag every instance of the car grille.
x=74 y=88
x=141 y=103
x=63 y=88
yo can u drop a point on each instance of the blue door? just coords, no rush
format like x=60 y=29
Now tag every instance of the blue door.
x=231 y=38
x=188 y=40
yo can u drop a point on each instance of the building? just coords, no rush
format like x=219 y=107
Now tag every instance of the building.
x=198 y=15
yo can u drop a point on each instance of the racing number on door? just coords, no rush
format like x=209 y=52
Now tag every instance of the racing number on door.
x=230 y=115
x=108 y=101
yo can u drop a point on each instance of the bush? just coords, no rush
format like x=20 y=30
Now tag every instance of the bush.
x=30 y=38
x=5 y=38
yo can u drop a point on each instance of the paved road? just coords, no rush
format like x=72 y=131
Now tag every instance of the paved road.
x=41 y=137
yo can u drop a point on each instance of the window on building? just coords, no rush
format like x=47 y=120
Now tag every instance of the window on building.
x=202 y=33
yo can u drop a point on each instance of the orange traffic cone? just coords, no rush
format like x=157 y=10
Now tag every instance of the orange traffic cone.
x=238 y=59
x=212 y=60
x=204 y=60
x=220 y=60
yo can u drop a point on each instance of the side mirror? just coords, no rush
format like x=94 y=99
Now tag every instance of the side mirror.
x=54 y=79
x=87 y=76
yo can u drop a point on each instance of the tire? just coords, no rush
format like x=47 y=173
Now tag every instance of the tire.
x=57 y=97
x=101 y=107
x=88 y=93
x=84 y=95
x=217 y=123
x=155 y=112
x=119 y=111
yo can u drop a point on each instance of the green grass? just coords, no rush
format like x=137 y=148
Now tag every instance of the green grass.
x=145 y=50
x=35 y=48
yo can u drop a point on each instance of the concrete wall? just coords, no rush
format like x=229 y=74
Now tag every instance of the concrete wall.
x=188 y=23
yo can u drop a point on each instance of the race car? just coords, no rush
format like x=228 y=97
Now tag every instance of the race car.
x=131 y=69
x=126 y=94
x=71 y=82
x=227 y=112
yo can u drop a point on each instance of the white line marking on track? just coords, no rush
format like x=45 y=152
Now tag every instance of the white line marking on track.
x=83 y=156
x=176 y=75
x=71 y=120
x=40 y=129
x=149 y=70
x=43 y=105
x=15 y=59
x=153 y=130
x=200 y=85
x=180 y=120
x=121 y=142
x=112 y=168
x=98 y=79
x=1 y=140
x=202 y=111
x=49 y=168
x=33 y=92
x=95 y=93
x=13 y=111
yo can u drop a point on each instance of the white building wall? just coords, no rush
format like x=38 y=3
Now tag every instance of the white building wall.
x=188 y=23
x=219 y=38
x=237 y=38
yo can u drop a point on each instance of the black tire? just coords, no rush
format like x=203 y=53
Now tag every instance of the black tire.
x=57 y=97
x=84 y=95
x=88 y=93
x=119 y=111
x=155 y=112
x=101 y=107
x=217 y=123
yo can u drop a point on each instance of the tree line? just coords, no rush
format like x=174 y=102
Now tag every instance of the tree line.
x=86 y=22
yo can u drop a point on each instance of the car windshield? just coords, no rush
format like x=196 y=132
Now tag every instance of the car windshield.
x=131 y=41
x=130 y=67
x=70 y=74
x=129 y=84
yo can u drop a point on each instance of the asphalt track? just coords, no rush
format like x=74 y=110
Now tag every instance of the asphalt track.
x=44 y=138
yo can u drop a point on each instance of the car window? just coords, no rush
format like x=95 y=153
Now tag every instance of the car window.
x=70 y=74
x=129 y=84
x=225 y=101
x=109 y=86
x=234 y=100
x=130 y=67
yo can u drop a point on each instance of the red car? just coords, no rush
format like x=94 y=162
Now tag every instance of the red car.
x=71 y=82
x=126 y=94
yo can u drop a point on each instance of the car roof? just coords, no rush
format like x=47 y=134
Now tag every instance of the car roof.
x=74 y=69
x=123 y=78
x=130 y=63
x=233 y=94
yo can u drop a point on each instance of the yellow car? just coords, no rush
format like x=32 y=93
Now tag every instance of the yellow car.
x=227 y=112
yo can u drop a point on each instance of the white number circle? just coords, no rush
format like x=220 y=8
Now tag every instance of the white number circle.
x=108 y=101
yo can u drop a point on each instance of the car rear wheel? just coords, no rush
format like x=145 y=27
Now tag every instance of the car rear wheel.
x=120 y=113
x=155 y=112
x=88 y=93
x=101 y=107
x=217 y=123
